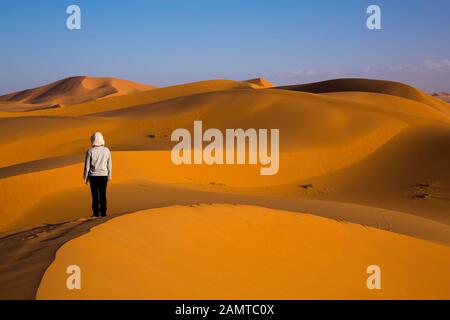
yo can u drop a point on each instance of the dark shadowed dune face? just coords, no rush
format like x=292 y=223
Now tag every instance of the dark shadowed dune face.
x=444 y=96
x=364 y=85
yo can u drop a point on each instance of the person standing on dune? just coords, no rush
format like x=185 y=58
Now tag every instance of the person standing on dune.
x=97 y=171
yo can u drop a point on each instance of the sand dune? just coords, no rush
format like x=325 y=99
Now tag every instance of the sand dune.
x=363 y=151
x=321 y=134
x=445 y=96
x=68 y=91
x=374 y=86
x=410 y=173
x=130 y=191
x=243 y=252
x=259 y=83
x=139 y=98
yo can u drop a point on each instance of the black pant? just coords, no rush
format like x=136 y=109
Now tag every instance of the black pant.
x=98 y=191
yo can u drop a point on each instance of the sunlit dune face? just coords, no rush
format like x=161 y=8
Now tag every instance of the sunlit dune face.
x=320 y=134
x=67 y=92
x=366 y=152
x=243 y=252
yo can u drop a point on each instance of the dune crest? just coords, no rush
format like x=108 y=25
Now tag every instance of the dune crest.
x=320 y=134
x=68 y=91
x=244 y=252
x=444 y=96
x=259 y=83
x=359 y=151
x=375 y=86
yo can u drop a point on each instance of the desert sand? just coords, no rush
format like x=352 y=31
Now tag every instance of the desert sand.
x=244 y=252
x=68 y=91
x=260 y=83
x=445 y=96
x=367 y=152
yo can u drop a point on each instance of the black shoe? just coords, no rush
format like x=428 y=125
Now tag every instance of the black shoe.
x=94 y=216
x=103 y=215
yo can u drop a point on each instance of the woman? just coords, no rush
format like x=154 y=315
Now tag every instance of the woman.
x=97 y=170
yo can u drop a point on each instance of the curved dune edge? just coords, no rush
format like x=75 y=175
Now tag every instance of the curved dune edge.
x=371 y=85
x=244 y=252
x=68 y=91
x=321 y=134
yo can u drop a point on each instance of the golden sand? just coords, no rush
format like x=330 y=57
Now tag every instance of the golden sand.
x=364 y=151
x=244 y=252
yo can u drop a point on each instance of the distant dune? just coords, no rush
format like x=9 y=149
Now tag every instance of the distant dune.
x=260 y=83
x=321 y=134
x=445 y=96
x=374 y=86
x=68 y=91
x=362 y=151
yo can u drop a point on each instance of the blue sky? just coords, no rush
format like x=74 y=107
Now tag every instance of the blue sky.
x=165 y=42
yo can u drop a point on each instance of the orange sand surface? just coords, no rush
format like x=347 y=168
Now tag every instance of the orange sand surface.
x=368 y=152
x=244 y=252
x=66 y=92
x=444 y=96
x=321 y=135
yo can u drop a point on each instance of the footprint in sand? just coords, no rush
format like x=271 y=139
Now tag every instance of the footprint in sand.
x=423 y=191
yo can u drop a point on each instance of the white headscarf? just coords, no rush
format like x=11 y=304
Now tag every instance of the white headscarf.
x=97 y=139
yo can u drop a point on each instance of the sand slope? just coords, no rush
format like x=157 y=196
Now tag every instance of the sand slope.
x=243 y=252
x=445 y=96
x=321 y=134
x=68 y=91
x=354 y=150
x=375 y=86
x=410 y=173
x=260 y=83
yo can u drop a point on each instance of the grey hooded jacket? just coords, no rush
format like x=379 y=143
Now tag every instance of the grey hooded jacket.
x=97 y=162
